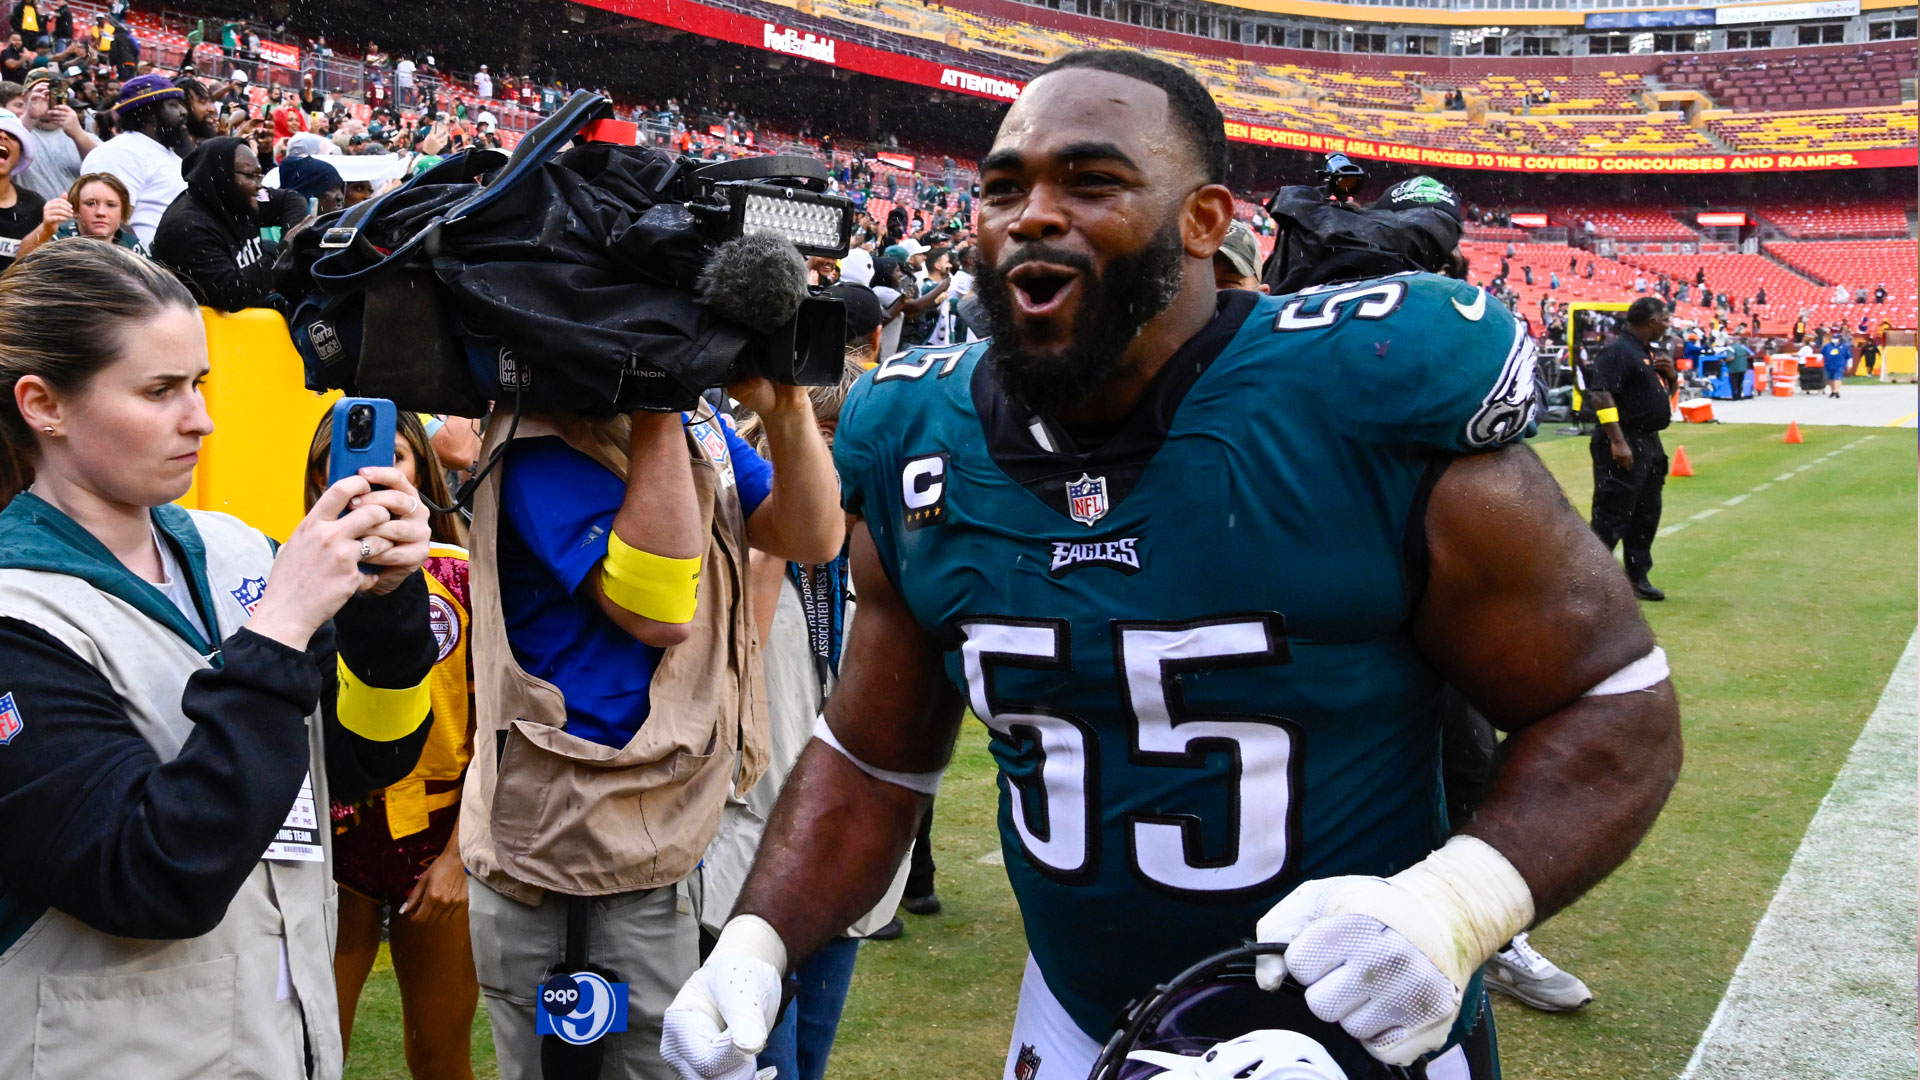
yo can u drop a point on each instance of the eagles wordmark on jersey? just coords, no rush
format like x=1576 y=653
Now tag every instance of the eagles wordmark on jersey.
x=1192 y=644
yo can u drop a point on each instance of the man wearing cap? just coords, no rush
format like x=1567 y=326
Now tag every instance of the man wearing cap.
x=151 y=113
x=1237 y=264
x=58 y=140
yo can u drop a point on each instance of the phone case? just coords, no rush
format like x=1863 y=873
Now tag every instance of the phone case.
x=345 y=461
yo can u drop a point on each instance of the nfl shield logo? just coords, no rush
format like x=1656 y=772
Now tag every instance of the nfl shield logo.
x=251 y=591
x=1087 y=499
x=1027 y=1065
x=10 y=723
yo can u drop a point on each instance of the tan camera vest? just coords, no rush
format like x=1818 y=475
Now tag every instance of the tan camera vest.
x=547 y=810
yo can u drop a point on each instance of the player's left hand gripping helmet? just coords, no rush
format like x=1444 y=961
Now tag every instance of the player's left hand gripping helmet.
x=1213 y=1022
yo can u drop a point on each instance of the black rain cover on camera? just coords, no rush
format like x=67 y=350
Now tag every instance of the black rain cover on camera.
x=1322 y=242
x=567 y=283
x=588 y=272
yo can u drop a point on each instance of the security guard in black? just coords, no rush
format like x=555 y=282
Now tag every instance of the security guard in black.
x=1629 y=391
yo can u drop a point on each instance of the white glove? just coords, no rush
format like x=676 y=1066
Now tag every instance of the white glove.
x=1388 y=959
x=721 y=1017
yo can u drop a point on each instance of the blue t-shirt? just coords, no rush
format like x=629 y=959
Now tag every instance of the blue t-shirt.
x=556 y=509
x=1834 y=355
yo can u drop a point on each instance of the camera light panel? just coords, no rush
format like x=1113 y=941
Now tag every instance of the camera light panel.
x=815 y=227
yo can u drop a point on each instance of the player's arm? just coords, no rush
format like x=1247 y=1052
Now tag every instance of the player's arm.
x=1527 y=615
x=838 y=832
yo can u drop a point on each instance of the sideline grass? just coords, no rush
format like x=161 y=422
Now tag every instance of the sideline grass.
x=1787 y=611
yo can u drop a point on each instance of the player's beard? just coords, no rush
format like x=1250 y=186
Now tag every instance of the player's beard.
x=1113 y=306
x=201 y=130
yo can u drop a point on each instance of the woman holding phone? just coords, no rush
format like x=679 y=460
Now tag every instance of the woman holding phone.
x=397 y=849
x=178 y=699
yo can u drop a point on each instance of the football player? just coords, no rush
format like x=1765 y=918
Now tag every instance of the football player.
x=1202 y=563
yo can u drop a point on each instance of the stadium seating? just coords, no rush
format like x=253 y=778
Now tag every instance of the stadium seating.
x=1631 y=223
x=1659 y=134
x=1886 y=217
x=1788 y=293
x=1611 y=280
x=1854 y=263
x=1858 y=129
x=1773 y=80
x=1596 y=92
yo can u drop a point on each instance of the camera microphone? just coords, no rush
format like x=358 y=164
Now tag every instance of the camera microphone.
x=757 y=281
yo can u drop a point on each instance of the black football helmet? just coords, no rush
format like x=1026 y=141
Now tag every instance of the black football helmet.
x=1217 y=1001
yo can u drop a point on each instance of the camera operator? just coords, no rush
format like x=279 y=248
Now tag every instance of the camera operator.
x=619 y=696
x=59 y=140
x=178 y=700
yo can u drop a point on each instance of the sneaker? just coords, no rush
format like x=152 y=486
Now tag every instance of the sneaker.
x=1518 y=971
x=890 y=932
x=921 y=905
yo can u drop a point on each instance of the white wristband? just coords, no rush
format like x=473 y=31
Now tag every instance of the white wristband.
x=926 y=783
x=1484 y=897
x=752 y=936
x=1643 y=674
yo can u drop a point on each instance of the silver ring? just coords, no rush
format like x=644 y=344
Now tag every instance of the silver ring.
x=366 y=551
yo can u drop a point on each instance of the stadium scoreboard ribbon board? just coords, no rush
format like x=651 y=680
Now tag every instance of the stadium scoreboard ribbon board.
x=1315 y=142
x=821 y=48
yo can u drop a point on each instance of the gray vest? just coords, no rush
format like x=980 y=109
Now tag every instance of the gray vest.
x=82 y=1003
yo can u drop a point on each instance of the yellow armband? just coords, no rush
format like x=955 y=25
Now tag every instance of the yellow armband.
x=651 y=586
x=1607 y=416
x=377 y=714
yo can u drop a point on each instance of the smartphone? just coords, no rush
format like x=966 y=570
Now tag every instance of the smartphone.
x=363 y=430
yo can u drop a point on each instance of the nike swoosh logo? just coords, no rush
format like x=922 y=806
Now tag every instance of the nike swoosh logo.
x=1472 y=312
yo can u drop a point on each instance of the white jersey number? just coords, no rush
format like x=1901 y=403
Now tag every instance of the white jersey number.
x=1056 y=814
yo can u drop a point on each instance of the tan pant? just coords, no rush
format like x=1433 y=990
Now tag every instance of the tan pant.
x=649 y=938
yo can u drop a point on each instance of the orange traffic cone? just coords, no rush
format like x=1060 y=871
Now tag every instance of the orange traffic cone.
x=1793 y=432
x=1681 y=466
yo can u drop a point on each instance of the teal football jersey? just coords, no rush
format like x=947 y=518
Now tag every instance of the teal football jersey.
x=1191 y=644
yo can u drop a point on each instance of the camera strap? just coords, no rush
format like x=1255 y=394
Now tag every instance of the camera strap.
x=352 y=262
x=578 y=1004
x=784 y=166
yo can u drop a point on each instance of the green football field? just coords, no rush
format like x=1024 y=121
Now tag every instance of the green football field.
x=1787 y=610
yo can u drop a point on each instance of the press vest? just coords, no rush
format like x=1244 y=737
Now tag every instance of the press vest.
x=83 y=1003
x=547 y=810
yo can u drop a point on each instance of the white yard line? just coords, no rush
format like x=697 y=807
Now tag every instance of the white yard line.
x=1705 y=514
x=1669 y=530
x=1827 y=988
x=1737 y=500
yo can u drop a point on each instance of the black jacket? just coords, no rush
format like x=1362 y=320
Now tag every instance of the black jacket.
x=210 y=236
x=98 y=827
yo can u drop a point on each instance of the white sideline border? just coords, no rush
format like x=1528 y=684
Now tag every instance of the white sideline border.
x=1828 y=985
